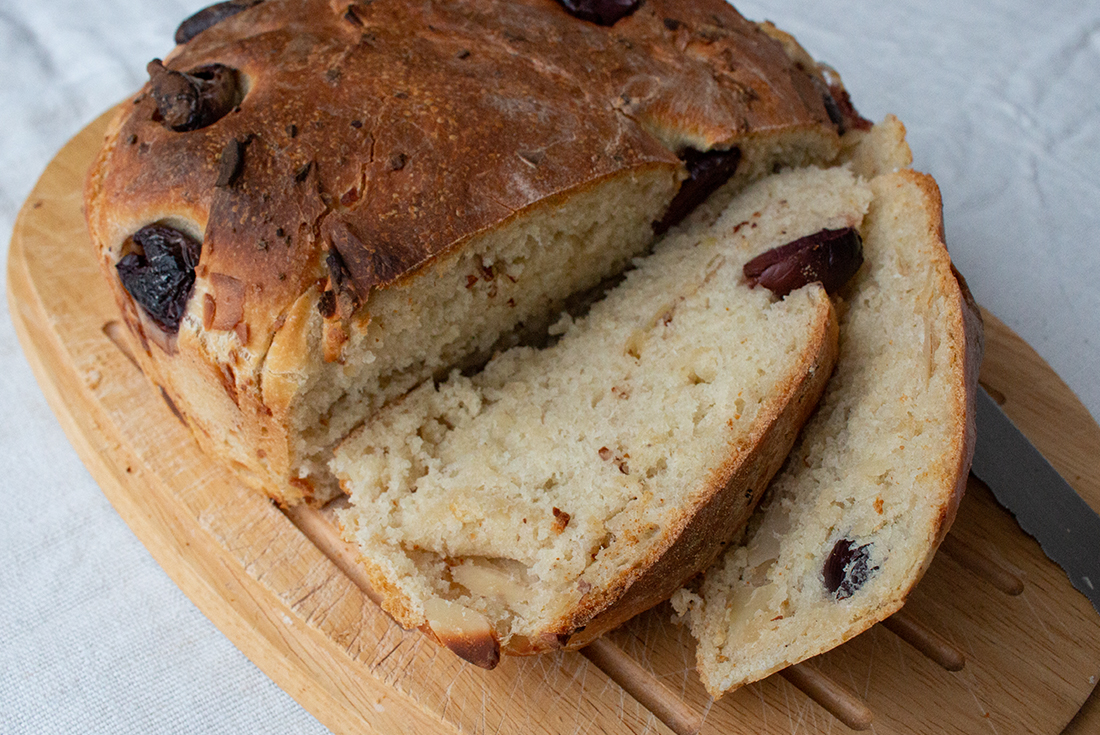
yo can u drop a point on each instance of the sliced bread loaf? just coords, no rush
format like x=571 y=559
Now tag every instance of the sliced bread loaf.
x=852 y=522
x=558 y=492
x=314 y=206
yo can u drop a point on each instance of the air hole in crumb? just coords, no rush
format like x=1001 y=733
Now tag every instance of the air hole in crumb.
x=656 y=469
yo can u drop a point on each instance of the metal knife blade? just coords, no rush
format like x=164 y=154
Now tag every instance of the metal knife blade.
x=1044 y=504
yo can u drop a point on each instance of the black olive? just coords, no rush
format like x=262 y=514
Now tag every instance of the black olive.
x=601 y=12
x=830 y=257
x=846 y=570
x=707 y=171
x=160 y=273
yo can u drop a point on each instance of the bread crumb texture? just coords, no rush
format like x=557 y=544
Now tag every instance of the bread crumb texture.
x=523 y=489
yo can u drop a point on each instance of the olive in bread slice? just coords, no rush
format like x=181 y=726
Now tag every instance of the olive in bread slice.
x=852 y=522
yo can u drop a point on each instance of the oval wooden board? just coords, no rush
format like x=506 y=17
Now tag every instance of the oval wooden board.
x=286 y=591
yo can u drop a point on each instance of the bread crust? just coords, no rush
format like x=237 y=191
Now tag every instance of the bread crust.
x=394 y=134
x=968 y=335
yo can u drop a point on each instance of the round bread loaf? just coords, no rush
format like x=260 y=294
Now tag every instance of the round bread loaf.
x=313 y=206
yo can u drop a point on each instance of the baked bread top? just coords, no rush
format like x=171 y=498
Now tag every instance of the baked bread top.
x=397 y=130
x=318 y=153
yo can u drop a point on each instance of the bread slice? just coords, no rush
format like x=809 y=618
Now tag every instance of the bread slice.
x=559 y=492
x=852 y=522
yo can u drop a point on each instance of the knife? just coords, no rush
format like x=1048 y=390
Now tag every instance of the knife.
x=1044 y=504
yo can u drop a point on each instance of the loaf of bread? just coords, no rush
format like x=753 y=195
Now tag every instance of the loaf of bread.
x=314 y=205
x=558 y=492
x=852 y=522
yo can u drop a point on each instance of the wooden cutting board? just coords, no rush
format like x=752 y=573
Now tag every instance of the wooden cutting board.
x=288 y=593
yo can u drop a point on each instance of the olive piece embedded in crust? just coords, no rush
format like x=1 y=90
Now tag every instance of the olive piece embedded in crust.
x=601 y=12
x=160 y=273
x=209 y=16
x=195 y=99
x=707 y=170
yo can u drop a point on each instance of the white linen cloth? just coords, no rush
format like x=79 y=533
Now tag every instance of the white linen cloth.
x=1002 y=103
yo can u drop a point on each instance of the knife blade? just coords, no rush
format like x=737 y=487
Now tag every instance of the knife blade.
x=1045 y=505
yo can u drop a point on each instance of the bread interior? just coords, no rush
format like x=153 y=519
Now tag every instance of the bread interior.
x=504 y=286
x=534 y=490
x=509 y=280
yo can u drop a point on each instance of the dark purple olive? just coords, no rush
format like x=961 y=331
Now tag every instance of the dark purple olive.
x=832 y=109
x=707 y=171
x=342 y=297
x=209 y=16
x=602 y=12
x=160 y=273
x=192 y=100
x=846 y=570
x=830 y=257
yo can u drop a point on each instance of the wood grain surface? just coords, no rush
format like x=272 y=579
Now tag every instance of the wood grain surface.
x=286 y=590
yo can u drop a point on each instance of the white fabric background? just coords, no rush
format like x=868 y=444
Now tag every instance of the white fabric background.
x=1002 y=103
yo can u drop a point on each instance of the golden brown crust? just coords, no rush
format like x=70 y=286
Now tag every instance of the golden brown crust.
x=967 y=336
x=413 y=157
x=974 y=331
